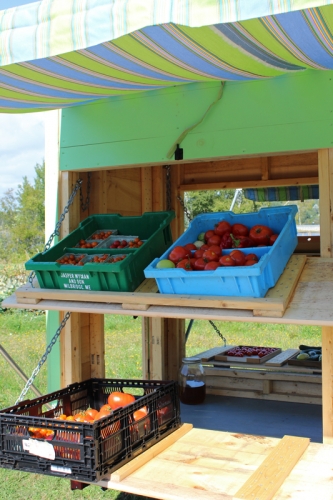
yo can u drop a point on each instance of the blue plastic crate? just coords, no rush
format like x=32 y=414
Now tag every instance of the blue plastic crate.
x=242 y=281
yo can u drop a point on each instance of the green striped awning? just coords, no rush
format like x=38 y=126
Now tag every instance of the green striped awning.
x=60 y=53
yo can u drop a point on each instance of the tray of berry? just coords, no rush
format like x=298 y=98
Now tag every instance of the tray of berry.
x=248 y=354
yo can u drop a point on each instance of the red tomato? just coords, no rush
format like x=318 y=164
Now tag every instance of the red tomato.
x=141 y=413
x=216 y=249
x=210 y=256
x=222 y=227
x=214 y=240
x=91 y=413
x=238 y=256
x=239 y=230
x=204 y=247
x=260 y=234
x=226 y=260
x=273 y=239
x=211 y=266
x=190 y=246
x=200 y=264
x=251 y=256
x=178 y=253
x=250 y=262
x=198 y=253
x=119 y=399
x=106 y=408
x=208 y=234
x=184 y=264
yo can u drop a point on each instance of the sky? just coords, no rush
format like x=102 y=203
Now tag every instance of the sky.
x=21 y=138
x=21 y=147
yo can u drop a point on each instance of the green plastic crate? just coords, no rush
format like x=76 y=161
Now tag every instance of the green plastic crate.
x=123 y=276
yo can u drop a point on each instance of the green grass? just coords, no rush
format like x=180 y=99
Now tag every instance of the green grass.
x=22 y=334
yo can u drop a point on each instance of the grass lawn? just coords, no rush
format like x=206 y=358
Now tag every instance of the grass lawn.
x=22 y=334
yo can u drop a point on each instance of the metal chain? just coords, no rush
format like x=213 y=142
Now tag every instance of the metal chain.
x=218 y=332
x=186 y=212
x=168 y=186
x=188 y=215
x=56 y=231
x=43 y=358
x=85 y=204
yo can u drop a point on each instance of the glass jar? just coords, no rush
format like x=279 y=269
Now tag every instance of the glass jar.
x=192 y=384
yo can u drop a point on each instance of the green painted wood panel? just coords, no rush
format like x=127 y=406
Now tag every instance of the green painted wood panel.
x=288 y=113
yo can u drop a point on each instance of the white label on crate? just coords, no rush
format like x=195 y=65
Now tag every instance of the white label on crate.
x=63 y=470
x=39 y=448
x=76 y=281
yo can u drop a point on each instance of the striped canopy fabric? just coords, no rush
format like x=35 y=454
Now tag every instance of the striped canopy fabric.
x=60 y=53
x=285 y=193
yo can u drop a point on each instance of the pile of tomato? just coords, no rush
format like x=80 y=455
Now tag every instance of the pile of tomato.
x=101 y=235
x=207 y=254
x=116 y=258
x=115 y=400
x=248 y=351
x=71 y=259
x=135 y=243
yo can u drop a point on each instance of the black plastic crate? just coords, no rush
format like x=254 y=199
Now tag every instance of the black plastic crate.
x=84 y=451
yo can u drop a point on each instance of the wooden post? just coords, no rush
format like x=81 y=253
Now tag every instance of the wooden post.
x=82 y=339
x=325 y=172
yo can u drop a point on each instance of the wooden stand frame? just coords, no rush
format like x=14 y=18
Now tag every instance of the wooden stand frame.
x=132 y=191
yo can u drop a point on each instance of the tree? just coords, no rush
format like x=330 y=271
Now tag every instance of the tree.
x=22 y=218
x=198 y=202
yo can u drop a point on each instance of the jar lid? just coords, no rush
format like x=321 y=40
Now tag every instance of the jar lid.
x=191 y=360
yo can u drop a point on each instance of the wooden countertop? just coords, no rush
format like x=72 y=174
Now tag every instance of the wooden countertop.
x=311 y=301
x=214 y=465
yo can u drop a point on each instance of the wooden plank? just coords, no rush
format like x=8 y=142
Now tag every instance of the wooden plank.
x=148 y=285
x=135 y=307
x=267 y=479
x=211 y=353
x=148 y=455
x=282 y=358
x=97 y=345
x=234 y=184
x=255 y=394
x=24 y=300
x=327 y=370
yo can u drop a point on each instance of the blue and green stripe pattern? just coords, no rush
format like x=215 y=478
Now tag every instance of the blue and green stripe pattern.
x=60 y=53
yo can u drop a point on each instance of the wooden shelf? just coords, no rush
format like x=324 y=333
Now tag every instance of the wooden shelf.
x=305 y=297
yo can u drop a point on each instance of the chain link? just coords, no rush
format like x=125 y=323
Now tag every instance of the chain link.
x=43 y=358
x=85 y=204
x=56 y=231
x=218 y=332
x=168 y=186
x=186 y=212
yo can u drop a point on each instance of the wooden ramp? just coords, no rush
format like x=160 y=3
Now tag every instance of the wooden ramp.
x=272 y=305
x=211 y=465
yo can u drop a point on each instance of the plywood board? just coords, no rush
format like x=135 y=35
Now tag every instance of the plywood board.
x=274 y=304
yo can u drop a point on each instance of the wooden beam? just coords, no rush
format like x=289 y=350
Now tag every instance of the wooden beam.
x=97 y=345
x=250 y=184
x=270 y=475
x=325 y=171
x=146 y=190
x=264 y=169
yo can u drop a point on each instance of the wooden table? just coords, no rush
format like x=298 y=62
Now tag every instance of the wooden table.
x=204 y=464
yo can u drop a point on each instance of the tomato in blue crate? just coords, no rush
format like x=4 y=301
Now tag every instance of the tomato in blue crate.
x=178 y=253
x=210 y=256
x=212 y=265
x=260 y=234
x=222 y=227
x=184 y=264
x=239 y=230
x=238 y=256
